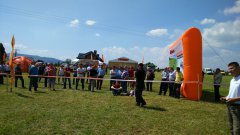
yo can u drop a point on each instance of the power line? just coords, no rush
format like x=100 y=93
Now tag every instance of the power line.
x=64 y=20
x=214 y=51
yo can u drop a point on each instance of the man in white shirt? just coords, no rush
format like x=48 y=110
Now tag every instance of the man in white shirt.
x=233 y=98
x=80 y=76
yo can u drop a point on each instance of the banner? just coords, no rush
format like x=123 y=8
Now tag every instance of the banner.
x=176 y=55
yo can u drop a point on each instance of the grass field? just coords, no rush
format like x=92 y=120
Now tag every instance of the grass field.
x=83 y=112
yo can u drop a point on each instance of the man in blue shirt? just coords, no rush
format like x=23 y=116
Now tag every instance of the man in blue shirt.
x=101 y=74
x=33 y=74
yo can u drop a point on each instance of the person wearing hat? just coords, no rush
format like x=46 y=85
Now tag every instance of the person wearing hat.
x=140 y=75
x=18 y=75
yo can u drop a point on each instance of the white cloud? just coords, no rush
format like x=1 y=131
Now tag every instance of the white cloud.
x=157 y=55
x=90 y=22
x=97 y=35
x=176 y=34
x=221 y=44
x=223 y=34
x=233 y=10
x=207 y=21
x=157 y=32
x=74 y=23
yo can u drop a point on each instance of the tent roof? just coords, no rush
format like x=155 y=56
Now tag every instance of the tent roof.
x=123 y=59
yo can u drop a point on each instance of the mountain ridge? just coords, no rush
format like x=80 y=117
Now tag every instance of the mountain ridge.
x=36 y=57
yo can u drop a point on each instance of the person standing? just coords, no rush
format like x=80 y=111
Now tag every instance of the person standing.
x=113 y=75
x=217 y=77
x=93 y=74
x=178 y=83
x=2 y=71
x=131 y=77
x=51 y=76
x=140 y=75
x=172 y=77
x=18 y=75
x=45 y=74
x=80 y=76
x=233 y=99
x=33 y=72
x=124 y=77
x=74 y=74
x=150 y=77
x=101 y=74
x=41 y=69
x=67 y=75
x=164 y=84
x=61 y=74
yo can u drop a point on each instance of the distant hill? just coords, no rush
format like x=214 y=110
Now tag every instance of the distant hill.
x=35 y=58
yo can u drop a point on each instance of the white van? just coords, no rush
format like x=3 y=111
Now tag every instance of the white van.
x=208 y=71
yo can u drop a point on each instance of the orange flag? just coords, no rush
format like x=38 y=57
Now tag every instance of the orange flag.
x=11 y=64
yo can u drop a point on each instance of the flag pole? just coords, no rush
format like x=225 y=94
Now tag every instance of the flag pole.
x=11 y=64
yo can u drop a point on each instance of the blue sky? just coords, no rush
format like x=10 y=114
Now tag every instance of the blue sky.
x=116 y=28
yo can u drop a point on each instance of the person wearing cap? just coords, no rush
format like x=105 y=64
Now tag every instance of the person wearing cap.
x=18 y=75
x=140 y=75
x=233 y=99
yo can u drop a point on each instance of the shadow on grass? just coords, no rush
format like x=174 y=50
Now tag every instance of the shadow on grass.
x=208 y=96
x=41 y=92
x=24 y=96
x=154 y=108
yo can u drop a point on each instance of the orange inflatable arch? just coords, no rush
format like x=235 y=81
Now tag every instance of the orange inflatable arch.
x=189 y=48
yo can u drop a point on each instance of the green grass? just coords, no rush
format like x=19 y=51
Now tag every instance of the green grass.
x=83 y=112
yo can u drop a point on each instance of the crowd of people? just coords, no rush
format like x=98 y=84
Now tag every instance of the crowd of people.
x=170 y=79
x=122 y=77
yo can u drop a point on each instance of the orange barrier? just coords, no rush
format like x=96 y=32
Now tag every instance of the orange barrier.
x=189 y=48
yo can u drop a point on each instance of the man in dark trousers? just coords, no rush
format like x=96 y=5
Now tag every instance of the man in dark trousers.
x=140 y=75
x=18 y=75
